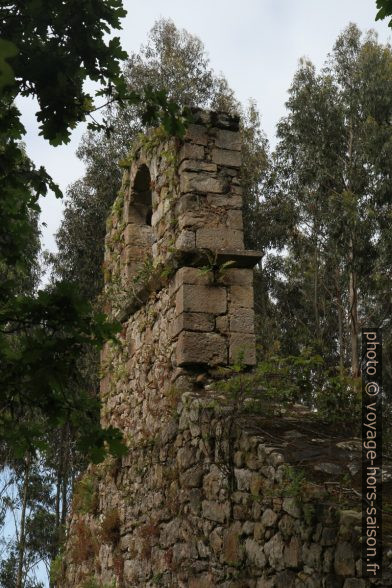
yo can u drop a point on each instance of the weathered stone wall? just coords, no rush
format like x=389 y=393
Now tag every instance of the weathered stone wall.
x=201 y=505
x=200 y=499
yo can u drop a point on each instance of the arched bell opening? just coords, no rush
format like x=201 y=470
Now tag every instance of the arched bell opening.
x=139 y=234
x=141 y=197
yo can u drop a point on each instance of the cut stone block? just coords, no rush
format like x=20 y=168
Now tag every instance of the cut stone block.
x=133 y=253
x=188 y=202
x=186 y=240
x=215 y=238
x=237 y=276
x=201 y=182
x=192 y=275
x=222 y=323
x=228 y=140
x=226 y=157
x=242 y=347
x=198 y=298
x=201 y=348
x=139 y=235
x=193 y=321
x=197 y=166
x=234 y=219
x=196 y=134
x=229 y=201
x=190 y=151
x=241 y=296
x=242 y=321
x=194 y=219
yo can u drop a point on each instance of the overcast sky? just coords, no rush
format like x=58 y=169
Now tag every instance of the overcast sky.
x=256 y=44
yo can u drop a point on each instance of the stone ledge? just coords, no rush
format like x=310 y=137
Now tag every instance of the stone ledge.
x=182 y=257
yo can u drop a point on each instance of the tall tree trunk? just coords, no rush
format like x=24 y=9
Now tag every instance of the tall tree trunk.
x=58 y=485
x=64 y=485
x=353 y=302
x=353 y=292
x=340 y=323
x=22 y=530
x=316 y=293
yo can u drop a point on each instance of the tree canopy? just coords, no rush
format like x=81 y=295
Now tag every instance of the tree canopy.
x=48 y=51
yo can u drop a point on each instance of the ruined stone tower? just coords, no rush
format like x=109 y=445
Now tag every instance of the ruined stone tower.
x=191 y=504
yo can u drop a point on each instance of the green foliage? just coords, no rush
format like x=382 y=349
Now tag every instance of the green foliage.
x=56 y=569
x=157 y=579
x=338 y=401
x=110 y=527
x=45 y=55
x=293 y=482
x=51 y=57
x=41 y=338
x=85 y=496
x=283 y=380
x=384 y=10
x=214 y=268
x=94 y=583
x=327 y=212
x=309 y=513
x=145 y=271
x=27 y=498
x=276 y=380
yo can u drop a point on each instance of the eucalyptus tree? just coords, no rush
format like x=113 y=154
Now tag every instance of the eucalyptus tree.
x=334 y=164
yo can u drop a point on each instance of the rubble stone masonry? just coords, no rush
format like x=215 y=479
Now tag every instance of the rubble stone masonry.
x=200 y=499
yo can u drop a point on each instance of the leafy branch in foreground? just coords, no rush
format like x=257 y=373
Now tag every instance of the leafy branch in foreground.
x=280 y=381
x=49 y=56
x=41 y=339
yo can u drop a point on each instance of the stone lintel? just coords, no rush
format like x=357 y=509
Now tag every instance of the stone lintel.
x=198 y=258
x=243 y=259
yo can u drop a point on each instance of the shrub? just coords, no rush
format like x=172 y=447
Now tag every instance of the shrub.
x=86 y=545
x=110 y=527
x=85 y=498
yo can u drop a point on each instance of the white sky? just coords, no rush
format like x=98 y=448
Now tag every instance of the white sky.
x=256 y=44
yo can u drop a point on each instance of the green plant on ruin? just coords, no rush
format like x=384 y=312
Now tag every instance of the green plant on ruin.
x=294 y=480
x=157 y=579
x=270 y=385
x=309 y=513
x=152 y=315
x=146 y=141
x=151 y=140
x=145 y=271
x=85 y=497
x=94 y=583
x=213 y=267
x=170 y=172
x=111 y=526
x=118 y=204
x=173 y=395
x=85 y=546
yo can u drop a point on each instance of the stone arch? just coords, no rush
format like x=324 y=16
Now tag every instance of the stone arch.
x=139 y=233
x=141 y=197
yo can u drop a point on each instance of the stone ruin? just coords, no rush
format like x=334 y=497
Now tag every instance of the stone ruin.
x=201 y=499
